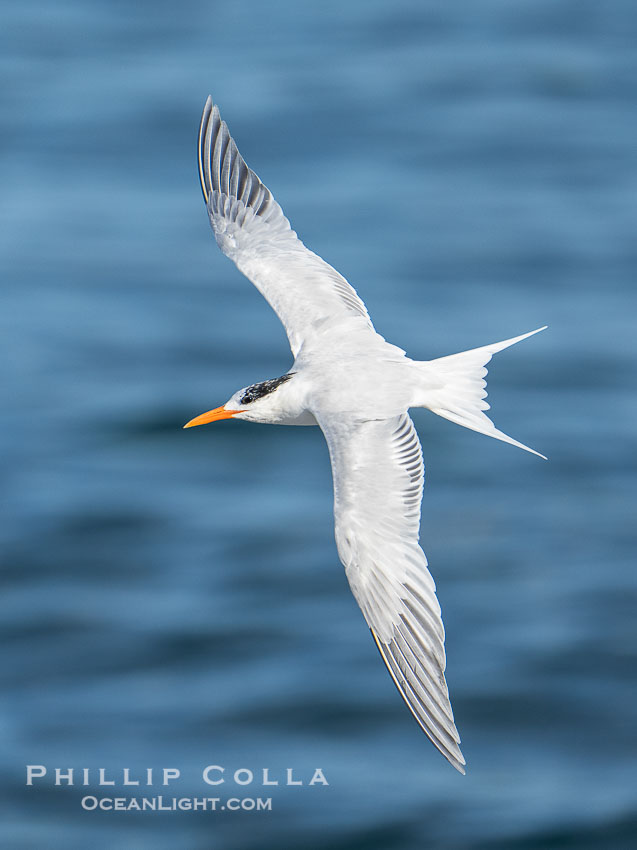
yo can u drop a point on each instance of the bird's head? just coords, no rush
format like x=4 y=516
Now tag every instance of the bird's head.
x=262 y=402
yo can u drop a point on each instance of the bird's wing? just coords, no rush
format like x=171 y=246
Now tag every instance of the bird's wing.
x=250 y=228
x=378 y=480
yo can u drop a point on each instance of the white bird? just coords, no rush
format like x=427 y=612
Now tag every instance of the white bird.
x=357 y=388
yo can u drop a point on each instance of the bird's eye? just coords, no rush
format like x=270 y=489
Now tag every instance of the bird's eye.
x=248 y=396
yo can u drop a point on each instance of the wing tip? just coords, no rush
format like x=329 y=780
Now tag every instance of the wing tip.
x=453 y=753
x=201 y=148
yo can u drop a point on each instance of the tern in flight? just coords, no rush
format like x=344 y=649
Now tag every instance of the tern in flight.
x=358 y=389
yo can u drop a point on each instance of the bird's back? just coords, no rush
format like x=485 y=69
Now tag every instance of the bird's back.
x=354 y=372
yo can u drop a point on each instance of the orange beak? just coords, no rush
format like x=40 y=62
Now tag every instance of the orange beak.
x=211 y=416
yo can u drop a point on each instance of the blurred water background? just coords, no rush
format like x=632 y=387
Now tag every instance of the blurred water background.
x=174 y=599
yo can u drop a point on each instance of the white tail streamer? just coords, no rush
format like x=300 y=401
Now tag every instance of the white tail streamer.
x=455 y=388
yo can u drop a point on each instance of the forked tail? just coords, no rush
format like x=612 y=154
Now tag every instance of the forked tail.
x=455 y=388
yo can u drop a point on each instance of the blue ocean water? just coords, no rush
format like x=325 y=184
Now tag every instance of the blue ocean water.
x=174 y=599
